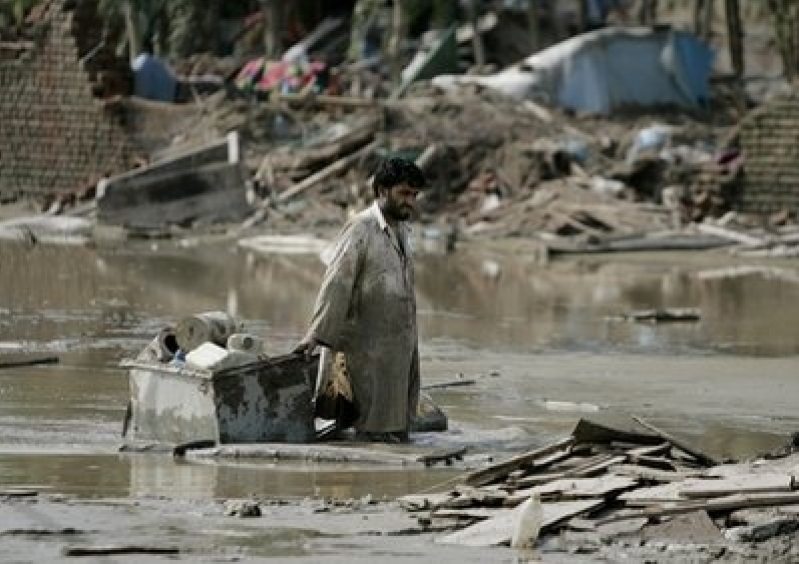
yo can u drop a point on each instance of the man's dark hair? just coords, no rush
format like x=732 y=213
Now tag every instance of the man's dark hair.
x=395 y=171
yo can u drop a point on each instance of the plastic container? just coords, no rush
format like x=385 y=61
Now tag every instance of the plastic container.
x=528 y=524
x=210 y=356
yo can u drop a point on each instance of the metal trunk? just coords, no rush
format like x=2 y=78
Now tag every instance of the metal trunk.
x=269 y=400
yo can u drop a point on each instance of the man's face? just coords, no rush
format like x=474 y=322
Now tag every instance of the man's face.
x=399 y=202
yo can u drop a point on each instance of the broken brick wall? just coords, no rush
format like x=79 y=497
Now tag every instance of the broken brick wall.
x=769 y=140
x=55 y=133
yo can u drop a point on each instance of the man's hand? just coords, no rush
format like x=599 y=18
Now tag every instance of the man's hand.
x=307 y=347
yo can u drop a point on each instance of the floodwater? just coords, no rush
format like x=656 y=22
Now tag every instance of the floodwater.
x=539 y=345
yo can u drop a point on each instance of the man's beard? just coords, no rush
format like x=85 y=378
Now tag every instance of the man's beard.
x=398 y=212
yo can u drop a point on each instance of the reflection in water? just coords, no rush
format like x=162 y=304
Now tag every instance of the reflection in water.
x=93 y=307
x=76 y=296
x=158 y=475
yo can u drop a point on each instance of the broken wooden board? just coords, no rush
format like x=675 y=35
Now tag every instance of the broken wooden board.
x=469 y=513
x=576 y=488
x=208 y=194
x=581 y=469
x=19 y=361
x=482 y=496
x=696 y=527
x=700 y=456
x=224 y=150
x=609 y=429
x=647 y=474
x=761 y=483
x=693 y=488
x=728 y=503
x=318 y=152
x=424 y=502
x=498 y=530
x=502 y=469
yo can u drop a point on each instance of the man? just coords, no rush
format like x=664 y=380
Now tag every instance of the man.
x=366 y=308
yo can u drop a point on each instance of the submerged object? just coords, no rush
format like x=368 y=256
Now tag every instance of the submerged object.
x=259 y=400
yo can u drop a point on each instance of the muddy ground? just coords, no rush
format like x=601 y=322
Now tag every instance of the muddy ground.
x=537 y=341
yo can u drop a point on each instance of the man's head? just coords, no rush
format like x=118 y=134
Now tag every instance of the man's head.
x=396 y=185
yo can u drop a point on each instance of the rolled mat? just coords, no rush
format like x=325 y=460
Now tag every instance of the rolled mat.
x=210 y=326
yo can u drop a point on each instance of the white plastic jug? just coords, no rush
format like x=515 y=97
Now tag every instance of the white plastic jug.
x=528 y=523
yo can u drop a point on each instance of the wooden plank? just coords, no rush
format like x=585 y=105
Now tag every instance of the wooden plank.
x=593 y=431
x=117 y=550
x=581 y=469
x=692 y=487
x=330 y=170
x=595 y=467
x=446 y=456
x=484 y=497
x=212 y=193
x=654 y=450
x=655 y=462
x=575 y=488
x=746 y=484
x=652 y=474
x=498 y=530
x=502 y=469
x=728 y=234
x=668 y=492
x=729 y=503
x=700 y=456
x=423 y=502
x=29 y=361
x=469 y=513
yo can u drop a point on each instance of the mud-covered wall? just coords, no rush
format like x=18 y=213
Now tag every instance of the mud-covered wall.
x=55 y=135
x=770 y=142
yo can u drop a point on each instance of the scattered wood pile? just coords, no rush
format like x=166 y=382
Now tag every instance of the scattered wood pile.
x=774 y=242
x=604 y=482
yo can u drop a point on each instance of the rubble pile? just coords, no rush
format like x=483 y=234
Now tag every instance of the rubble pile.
x=604 y=484
x=498 y=167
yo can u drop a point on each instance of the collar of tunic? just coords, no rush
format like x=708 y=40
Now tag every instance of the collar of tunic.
x=401 y=237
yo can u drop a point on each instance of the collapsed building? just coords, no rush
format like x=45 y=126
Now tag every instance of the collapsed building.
x=67 y=122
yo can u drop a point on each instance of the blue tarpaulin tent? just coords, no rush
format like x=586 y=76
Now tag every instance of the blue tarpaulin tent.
x=604 y=69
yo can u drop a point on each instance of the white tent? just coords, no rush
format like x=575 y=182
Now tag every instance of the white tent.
x=601 y=70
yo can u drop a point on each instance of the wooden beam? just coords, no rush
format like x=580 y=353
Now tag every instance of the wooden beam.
x=502 y=469
x=330 y=170
x=20 y=362
x=700 y=456
x=729 y=503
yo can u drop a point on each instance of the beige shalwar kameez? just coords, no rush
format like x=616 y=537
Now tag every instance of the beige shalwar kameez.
x=366 y=309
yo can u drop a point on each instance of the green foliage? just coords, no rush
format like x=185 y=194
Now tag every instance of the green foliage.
x=13 y=11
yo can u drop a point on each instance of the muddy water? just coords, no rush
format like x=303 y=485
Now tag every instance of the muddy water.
x=539 y=344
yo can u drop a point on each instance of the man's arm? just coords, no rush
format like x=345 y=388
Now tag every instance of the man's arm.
x=333 y=303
